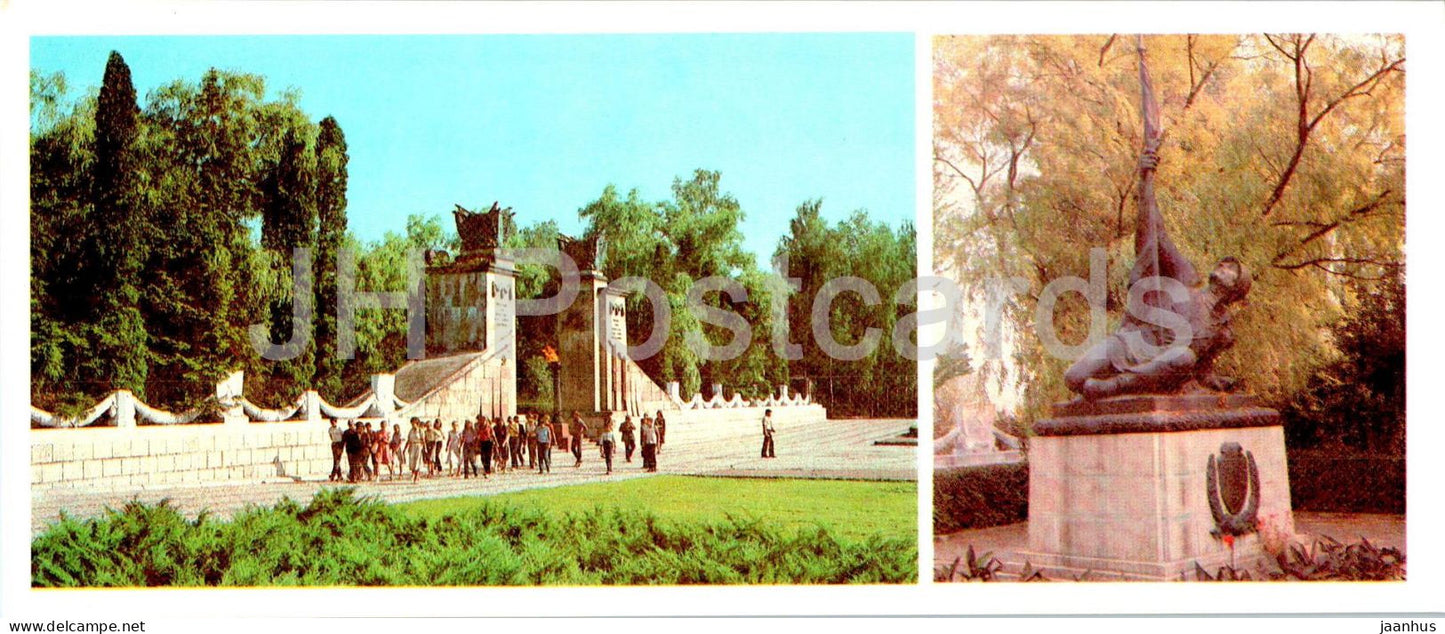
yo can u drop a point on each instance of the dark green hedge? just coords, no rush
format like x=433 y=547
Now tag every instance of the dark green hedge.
x=1346 y=482
x=979 y=497
x=341 y=540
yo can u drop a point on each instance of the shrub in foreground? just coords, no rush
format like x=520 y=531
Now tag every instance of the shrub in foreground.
x=1346 y=482
x=980 y=497
x=341 y=540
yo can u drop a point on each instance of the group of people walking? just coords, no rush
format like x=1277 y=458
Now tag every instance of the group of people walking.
x=652 y=432
x=499 y=444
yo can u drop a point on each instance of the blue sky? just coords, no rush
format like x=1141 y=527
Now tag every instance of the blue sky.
x=542 y=123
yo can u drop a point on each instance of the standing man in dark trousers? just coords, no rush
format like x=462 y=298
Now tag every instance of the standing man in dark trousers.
x=518 y=437
x=337 y=448
x=579 y=434
x=363 y=430
x=502 y=439
x=469 y=447
x=629 y=441
x=543 y=435
x=351 y=438
x=768 y=449
x=649 y=444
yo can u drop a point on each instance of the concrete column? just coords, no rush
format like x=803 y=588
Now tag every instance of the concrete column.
x=579 y=347
x=124 y=409
x=311 y=406
x=383 y=389
x=228 y=393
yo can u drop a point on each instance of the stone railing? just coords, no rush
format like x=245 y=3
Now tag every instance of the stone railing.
x=783 y=399
x=124 y=410
x=124 y=443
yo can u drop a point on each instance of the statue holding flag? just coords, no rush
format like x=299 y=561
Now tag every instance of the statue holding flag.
x=1173 y=329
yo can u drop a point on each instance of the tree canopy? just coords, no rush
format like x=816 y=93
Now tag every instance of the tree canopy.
x=1285 y=151
x=184 y=213
x=146 y=224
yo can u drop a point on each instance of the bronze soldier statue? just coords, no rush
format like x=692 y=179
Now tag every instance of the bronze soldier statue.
x=1143 y=355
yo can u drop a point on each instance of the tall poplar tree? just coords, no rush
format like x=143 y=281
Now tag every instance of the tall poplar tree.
x=289 y=221
x=116 y=237
x=331 y=160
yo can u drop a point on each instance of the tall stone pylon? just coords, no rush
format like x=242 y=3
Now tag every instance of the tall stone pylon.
x=471 y=299
x=592 y=337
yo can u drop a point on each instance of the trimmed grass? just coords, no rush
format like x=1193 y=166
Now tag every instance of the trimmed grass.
x=849 y=510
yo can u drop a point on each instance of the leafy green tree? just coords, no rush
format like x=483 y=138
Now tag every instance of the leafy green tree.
x=47 y=99
x=61 y=152
x=382 y=267
x=675 y=243
x=702 y=223
x=288 y=222
x=1358 y=400
x=882 y=382
x=190 y=181
x=1283 y=151
x=202 y=287
x=638 y=247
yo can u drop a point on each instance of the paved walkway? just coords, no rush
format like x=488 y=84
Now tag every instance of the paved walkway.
x=828 y=449
x=1381 y=530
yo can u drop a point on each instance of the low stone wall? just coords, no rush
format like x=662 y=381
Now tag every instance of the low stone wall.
x=705 y=423
x=166 y=455
x=803 y=413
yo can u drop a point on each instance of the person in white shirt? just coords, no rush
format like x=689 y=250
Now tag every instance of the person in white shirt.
x=768 y=450
x=648 y=433
x=454 y=451
x=609 y=441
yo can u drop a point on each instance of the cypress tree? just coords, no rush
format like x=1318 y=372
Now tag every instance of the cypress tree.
x=117 y=240
x=331 y=160
x=289 y=221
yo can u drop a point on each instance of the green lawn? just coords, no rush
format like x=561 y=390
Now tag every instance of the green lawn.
x=847 y=509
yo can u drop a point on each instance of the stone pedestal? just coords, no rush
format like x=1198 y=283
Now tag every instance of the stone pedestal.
x=1121 y=487
x=471 y=305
